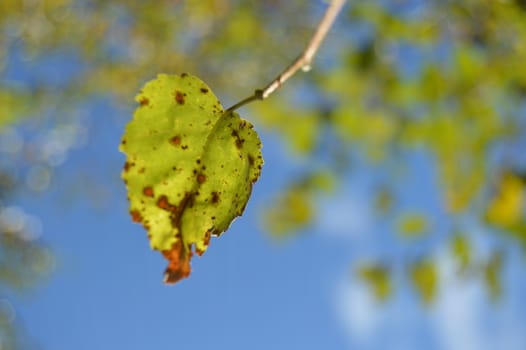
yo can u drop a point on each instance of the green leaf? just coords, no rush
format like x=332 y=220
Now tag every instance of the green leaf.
x=190 y=167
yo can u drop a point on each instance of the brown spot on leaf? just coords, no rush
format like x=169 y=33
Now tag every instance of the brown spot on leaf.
x=179 y=263
x=136 y=216
x=127 y=166
x=164 y=204
x=251 y=160
x=144 y=101
x=179 y=97
x=184 y=146
x=201 y=178
x=239 y=140
x=184 y=75
x=204 y=90
x=215 y=197
x=176 y=140
x=206 y=242
x=148 y=191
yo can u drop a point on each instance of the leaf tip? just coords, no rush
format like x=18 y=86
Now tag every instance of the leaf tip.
x=171 y=277
x=179 y=263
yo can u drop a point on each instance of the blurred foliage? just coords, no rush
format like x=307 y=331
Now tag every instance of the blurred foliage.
x=424 y=277
x=412 y=225
x=461 y=251
x=446 y=78
x=378 y=279
x=24 y=263
x=507 y=207
x=293 y=210
x=8 y=339
x=492 y=274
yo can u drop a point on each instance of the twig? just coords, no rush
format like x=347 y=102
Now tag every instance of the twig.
x=303 y=61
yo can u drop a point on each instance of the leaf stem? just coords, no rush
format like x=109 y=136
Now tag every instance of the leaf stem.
x=303 y=61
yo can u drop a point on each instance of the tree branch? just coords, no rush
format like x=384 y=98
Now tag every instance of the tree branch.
x=303 y=61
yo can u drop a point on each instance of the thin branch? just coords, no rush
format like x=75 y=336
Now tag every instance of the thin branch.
x=303 y=61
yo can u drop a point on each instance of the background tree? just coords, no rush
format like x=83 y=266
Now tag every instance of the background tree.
x=402 y=94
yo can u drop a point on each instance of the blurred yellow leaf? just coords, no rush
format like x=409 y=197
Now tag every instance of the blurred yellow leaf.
x=323 y=181
x=506 y=209
x=492 y=275
x=425 y=280
x=291 y=211
x=378 y=279
x=461 y=251
x=383 y=200
x=413 y=225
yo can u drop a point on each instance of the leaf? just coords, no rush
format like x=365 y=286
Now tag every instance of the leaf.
x=492 y=274
x=506 y=208
x=190 y=167
x=412 y=225
x=290 y=212
x=378 y=278
x=294 y=208
x=383 y=201
x=424 y=278
x=461 y=251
